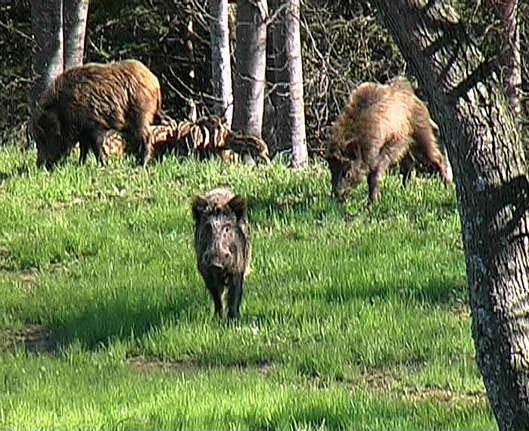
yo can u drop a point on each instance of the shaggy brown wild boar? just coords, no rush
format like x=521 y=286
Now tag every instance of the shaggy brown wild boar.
x=83 y=103
x=381 y=125
x=222 y=245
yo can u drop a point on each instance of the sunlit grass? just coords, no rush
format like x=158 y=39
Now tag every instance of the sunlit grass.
x=353 y=316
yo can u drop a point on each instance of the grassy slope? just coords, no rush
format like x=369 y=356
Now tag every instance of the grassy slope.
x=353 y=316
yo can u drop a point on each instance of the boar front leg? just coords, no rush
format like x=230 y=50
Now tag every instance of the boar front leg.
x=235 y=296
x=216 y=289
x=373 y=181
x=374 y=177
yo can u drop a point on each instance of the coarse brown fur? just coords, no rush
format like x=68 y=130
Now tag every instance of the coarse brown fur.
x=222 y=246
x=381 y=126
x=83 y=103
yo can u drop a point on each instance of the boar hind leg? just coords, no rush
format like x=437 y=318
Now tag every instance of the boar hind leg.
x=142 y=135
x=93 y=139
x=84 y=146
x=145 y=146
x=427 y=145
x=235 y=296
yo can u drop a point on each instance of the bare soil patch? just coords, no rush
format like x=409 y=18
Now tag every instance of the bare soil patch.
x=33 y=338
x=445 y=396
x=153 y=363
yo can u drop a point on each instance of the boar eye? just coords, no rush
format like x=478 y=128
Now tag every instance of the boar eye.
x=226 y=229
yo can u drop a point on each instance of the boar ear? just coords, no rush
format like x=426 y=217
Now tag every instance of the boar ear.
x=198 y=206
x=239 y=206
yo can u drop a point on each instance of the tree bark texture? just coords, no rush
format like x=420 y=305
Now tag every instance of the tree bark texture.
x=221 y=60
x=75 y=15
x=511 y=59
x=59 y=27
x=46 y=22
x=192 y=113
x=287 y=72
x=468 y=101
x=250 y=59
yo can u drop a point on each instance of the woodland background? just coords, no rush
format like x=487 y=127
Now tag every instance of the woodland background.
x=343 y=44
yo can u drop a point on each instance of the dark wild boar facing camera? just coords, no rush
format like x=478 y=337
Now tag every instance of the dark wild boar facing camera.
x=222 y=245
x=84 y=102
x=381 y=126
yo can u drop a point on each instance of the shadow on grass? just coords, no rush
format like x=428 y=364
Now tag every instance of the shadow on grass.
x=18 y=171
x=435 y=291
x=120 y=319
x=289 y=205
x=322 y=204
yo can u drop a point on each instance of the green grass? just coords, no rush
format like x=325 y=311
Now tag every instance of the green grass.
x=354 y=315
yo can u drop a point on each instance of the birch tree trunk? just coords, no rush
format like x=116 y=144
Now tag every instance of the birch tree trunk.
x=59 y=27
x=192 y=113
x=220 y=60
x=468 y=101
x=46 y=22
x=288 y=78
x=250 y=58
x=75 y=15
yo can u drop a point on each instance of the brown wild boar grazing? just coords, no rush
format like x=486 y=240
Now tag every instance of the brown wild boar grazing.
x=84 y=102
x=222 y=245
x=381 y=126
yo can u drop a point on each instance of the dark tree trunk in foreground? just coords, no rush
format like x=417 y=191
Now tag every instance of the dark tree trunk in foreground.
x=288 y=78
x=468 y=101
x=75 y=15
x=512 y=63
x=220 y=60
x=250 y=58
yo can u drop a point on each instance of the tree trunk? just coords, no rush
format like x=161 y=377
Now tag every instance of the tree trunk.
x=192 y=113
x=288 y=79
x=487 y=155
x=59 y=27
x=75 y=15
x=250 y=58
x=220 y=60
x=46 y=22
x=512 y=73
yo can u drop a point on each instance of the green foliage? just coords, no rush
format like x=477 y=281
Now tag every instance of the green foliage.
x=17 y=50
x=353 y=316
x=155 y=32
x=343 y=45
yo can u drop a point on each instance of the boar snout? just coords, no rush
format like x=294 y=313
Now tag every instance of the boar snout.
x=216 y=259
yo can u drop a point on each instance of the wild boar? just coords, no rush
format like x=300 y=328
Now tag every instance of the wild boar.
x=84 y=102
x=223 y=246
x=381 y=125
